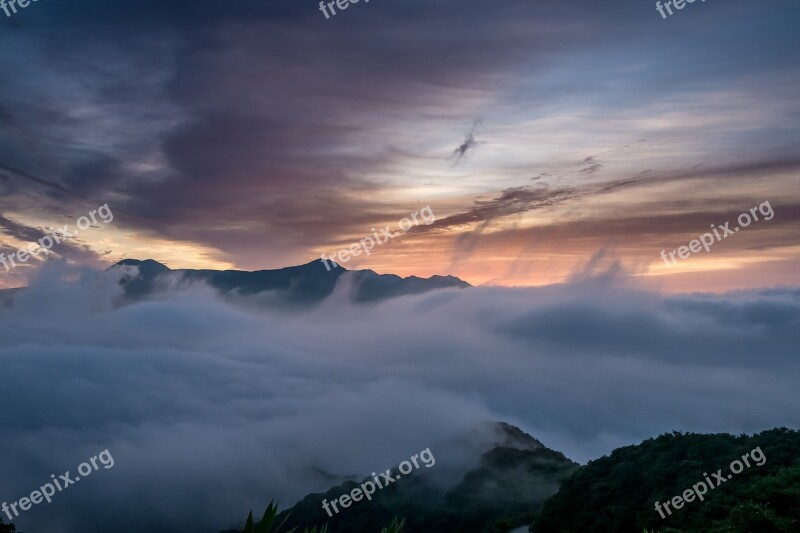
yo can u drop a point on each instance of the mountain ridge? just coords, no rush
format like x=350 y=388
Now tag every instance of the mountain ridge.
x=300 y=284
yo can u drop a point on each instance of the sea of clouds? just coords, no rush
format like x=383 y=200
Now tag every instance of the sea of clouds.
x=212 y=407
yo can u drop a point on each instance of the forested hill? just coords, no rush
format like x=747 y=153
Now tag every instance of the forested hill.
x=618 y=492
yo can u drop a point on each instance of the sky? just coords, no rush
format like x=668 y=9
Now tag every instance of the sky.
x=561 y=145
x=256 y=134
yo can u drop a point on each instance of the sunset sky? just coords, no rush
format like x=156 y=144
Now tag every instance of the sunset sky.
x=549 y=137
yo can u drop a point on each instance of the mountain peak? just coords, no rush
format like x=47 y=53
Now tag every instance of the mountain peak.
x=141 y=262
x=318 y=264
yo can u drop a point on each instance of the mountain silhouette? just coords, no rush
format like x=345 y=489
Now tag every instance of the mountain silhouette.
x=302 y=284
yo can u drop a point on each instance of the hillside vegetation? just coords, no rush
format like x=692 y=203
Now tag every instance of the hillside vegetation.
x=618 y=492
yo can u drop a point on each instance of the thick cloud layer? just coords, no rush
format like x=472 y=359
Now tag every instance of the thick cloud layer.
x=210 y=408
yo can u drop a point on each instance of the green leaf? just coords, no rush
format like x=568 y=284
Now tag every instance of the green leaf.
x=265 y=526
x=248 y=527
x=395 y=527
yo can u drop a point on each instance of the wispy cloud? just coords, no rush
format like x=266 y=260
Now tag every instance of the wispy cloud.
x=470 y=143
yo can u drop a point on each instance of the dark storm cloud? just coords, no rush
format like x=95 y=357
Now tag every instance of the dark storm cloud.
x=5 y=115
x=94 y=175
x=249 y=124
x=19 y=231
x=46 y=187
x=260 y=101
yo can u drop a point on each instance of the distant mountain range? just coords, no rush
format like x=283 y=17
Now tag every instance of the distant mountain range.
x=303 y=284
